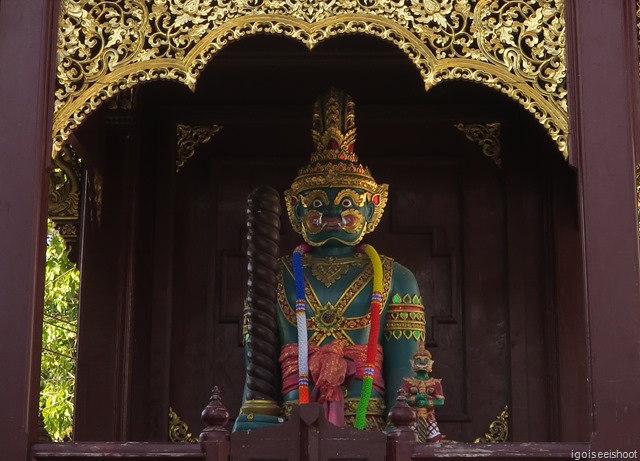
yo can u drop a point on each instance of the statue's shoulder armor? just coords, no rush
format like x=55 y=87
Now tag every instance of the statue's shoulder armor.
x=388 y=264
x=411 y=381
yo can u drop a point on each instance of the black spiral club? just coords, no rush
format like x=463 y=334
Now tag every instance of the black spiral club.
x=263 y=237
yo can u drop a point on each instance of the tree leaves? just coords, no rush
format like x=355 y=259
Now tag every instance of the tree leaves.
x=59 y=338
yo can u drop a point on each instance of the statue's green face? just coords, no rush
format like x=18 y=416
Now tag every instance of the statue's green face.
x=334 y=216
x=422 y=363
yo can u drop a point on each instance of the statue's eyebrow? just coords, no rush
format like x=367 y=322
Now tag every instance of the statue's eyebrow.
x=312 y=195
x=358 y=198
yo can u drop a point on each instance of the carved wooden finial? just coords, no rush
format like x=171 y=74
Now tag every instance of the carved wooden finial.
x=402 y=418
x=215 y=416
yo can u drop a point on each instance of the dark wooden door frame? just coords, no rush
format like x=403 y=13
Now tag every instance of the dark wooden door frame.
x=27 y=57
x=603 y=74
x=602 y=46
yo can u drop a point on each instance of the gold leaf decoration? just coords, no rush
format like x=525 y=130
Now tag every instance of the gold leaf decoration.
x=64 y=194
x=178 y=429
x=487 y=136
x=64 y=187
x=190 y=137
x=514 y=46
x=329 y=270
x=498 y=429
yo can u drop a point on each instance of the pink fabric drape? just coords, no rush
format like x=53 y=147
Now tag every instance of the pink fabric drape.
x=330 y=367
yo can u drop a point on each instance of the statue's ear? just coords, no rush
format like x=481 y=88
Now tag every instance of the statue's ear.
x=293 y=205
x=370 y=207
x=297 y=207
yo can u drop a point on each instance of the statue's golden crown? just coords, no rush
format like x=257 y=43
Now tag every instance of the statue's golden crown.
x=334 y=162
x=421 y=352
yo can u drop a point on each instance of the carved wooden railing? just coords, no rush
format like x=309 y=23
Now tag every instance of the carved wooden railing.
x=306 y=436
x=147 y=451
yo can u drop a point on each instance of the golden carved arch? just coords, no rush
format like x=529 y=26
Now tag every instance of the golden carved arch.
x=514 y=46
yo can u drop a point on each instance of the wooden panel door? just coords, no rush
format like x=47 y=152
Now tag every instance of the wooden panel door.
x=446 y=221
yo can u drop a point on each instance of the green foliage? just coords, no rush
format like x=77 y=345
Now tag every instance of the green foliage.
x=59 y=337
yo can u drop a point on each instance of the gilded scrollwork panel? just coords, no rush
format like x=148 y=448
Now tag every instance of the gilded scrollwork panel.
x=64 y=194
x=64 y=187
x=487 y=136
x=498 y=429
x=190 y=137
x=178 y=429
x=515 y=46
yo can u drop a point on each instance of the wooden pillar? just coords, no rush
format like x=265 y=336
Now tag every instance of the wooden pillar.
x=603 y=95
x=108 y=276
x=27 y=47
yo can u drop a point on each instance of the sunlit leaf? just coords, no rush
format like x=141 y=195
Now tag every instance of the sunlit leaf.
x=59 y=338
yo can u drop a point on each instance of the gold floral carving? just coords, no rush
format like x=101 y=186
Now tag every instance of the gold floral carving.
x=487 y=136
x=498 y=429
x=329 y=273
x=514 y=46
x=64 y=193
x=190 y=137
x=64 y=187
x=329 y=270
x=178 y=429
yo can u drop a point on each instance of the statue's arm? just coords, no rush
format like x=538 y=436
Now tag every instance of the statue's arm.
x=435 y=398
x=403 y=330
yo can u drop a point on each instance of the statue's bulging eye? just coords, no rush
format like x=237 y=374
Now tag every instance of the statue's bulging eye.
x=317 y=203
x=346 y=202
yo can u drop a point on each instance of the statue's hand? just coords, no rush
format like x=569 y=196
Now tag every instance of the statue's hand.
x=421 y=400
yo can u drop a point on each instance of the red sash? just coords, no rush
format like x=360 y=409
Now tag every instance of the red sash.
x=330 y=366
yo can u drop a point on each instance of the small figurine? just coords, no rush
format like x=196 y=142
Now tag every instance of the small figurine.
x=424 y=394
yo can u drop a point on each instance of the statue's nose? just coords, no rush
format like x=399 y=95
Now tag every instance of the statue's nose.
x=333 y=210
